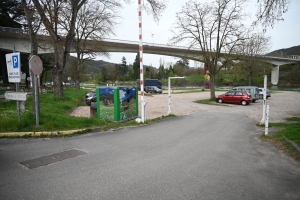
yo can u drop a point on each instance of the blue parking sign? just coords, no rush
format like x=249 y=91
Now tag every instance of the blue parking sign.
x=13 y=67
x=15 y=60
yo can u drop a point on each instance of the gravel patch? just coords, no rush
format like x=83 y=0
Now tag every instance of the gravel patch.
x=283 y=104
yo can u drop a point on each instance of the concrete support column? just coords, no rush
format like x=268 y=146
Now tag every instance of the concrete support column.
x=275 y=75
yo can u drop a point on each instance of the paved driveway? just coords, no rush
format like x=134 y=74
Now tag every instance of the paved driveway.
x=200 y=156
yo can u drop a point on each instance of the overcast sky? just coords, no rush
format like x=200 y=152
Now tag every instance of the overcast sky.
x=285 y=33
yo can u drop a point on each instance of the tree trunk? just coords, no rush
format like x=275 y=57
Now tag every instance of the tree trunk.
x=250 y=78
x=78 y=72
x=212 y=70
x=57 y=72
x=212 y=86
x=34 y=51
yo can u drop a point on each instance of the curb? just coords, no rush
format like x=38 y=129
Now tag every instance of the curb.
x=293 y=144
x=42 y=133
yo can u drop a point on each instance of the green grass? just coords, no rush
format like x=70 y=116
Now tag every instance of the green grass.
x=207 y=101
x=290 y=131
x=53 y=115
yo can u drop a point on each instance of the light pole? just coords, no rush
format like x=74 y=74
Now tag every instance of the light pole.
x=152 y=39
x=169 y=92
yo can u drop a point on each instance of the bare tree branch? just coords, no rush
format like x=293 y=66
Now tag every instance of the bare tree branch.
x=215 y=27
x=270 y=11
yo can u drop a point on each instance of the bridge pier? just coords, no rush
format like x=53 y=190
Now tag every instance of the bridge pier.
x=275 y=75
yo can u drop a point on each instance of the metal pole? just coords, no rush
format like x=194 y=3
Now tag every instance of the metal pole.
x=36 y=93
x=18 y=104
x=169 y=95
x=264 y=101
x=17 y=90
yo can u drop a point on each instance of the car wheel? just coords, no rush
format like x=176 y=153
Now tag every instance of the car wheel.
x=261 y=96
x=244 y=102
x=220 y=100
x=253 y=101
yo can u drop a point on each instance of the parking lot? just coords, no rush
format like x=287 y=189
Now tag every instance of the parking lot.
x=283 y=104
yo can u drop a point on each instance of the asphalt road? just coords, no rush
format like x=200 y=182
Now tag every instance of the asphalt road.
x=201 y=156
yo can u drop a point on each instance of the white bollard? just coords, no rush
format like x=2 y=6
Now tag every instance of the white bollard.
x=267 y=120
x=262 y=121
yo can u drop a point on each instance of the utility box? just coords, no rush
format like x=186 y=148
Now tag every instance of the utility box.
x=117 y=103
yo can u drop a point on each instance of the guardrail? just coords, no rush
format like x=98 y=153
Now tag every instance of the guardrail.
x=13 y=30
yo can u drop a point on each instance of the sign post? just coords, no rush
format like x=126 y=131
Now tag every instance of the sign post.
x=36 y=66
x=14 y=73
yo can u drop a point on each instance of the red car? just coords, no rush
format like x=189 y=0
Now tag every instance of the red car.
x=237 y=96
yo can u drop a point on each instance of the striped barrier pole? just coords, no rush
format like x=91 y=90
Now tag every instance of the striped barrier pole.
x=143 y=102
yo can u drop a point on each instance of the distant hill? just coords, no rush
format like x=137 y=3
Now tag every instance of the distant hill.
x=286 y=52
x=95 y=66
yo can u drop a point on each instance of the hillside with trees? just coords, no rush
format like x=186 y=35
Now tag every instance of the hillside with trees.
x=295 y=50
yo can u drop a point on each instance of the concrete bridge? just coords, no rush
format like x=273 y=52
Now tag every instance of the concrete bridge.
x=18 y=39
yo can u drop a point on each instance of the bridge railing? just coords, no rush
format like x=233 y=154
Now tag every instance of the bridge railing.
x=13 y=30
x=20 y=30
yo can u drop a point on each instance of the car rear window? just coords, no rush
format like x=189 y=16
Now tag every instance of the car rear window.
x=230 y=93
x=239 y=94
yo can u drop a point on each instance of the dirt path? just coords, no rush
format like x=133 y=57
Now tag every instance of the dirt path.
x=282 y=105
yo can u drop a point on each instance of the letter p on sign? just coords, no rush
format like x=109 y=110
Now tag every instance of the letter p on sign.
x=15 y=61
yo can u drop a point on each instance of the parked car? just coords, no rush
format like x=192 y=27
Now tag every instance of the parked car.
x=235 y=96
x=90 y=97
x=252 y=90
x=90 y=94
x=261 y=93
x=152 y=89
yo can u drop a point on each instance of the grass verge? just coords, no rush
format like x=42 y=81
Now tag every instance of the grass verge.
x=286 y=132
x=54 y=116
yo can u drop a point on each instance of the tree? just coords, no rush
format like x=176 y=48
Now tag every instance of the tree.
x=184 y=63
x=161 y=69
x=136 y=67
x=179 y=69
x=33 y=26
x=271 y=11
x=50 y=12
x=124 y=68
x=72 y=70
x=214 y=28
x=11 y=13
x=95 y=21
x=257 y=44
